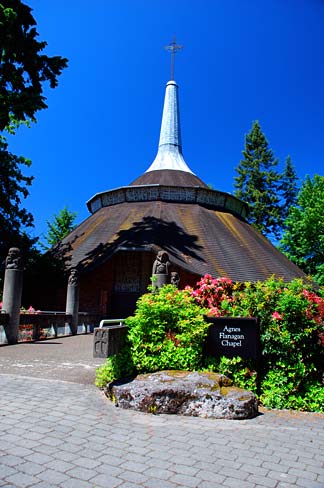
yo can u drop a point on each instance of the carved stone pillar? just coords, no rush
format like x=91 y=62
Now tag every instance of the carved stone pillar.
x=72 y=299
x=12 y=291
x=175 y=278
x=160 y=271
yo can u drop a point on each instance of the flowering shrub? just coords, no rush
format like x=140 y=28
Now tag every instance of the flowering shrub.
x=24 y=310
x=29 y=310
x=213 y=293
x=168 y=332
x=291 y=318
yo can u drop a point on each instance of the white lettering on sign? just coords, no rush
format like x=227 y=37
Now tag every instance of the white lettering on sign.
x=230 y=336
x=229 y=339
x=227 y=343
x=231 y=329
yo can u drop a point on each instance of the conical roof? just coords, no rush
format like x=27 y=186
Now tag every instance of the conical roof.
x=198 y=239
x=169 y=177
x=170 y=208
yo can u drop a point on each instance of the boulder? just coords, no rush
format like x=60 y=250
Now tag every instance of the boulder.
x=195 y=394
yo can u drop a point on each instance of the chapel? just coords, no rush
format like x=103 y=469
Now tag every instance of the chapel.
x=166 y=208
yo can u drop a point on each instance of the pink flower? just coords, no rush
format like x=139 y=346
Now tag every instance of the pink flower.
x=276 y=316
x=214 y=312
x=223 y=279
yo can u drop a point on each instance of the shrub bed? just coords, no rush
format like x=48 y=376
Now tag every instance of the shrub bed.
x=168 y=332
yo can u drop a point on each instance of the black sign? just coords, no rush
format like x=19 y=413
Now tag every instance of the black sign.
x=230 y=337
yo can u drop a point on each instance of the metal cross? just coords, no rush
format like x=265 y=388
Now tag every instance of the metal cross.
x=173 y=48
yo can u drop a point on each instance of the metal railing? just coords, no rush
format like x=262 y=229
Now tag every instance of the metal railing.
x=110 y=322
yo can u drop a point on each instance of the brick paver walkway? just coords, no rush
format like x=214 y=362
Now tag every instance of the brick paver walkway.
x=55 y=433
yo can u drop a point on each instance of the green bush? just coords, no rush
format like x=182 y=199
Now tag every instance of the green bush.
x=241 y=371
x=291 y=320
x=287 y=386
x=116 y=367
x=168 y=332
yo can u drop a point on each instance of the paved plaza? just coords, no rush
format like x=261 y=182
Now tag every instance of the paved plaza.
x=58 y=430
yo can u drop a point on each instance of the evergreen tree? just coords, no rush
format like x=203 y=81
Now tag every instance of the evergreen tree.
x=303 y=238
x=13 y=188
x=23 y=70
x=23 y=67
x=288 y=188
x=257 y=183
x=62 y=225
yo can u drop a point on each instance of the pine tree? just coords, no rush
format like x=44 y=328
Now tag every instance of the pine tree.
x=24 y=69
x=62 y=225
x=13 y=189
x=303 y=238
x=257 y=183
x=288 y=188
x=23 y=66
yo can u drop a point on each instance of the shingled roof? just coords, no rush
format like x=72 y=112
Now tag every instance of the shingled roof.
x=170 y=208
x=198 y=239
x=169 y=177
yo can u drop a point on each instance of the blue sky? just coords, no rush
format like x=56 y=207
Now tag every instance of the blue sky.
x=243 y=60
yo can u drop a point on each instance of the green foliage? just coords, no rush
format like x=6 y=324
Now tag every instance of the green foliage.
x=287 y=386
x=241 y=371
x=258 y=181
x=24 y=68
x=288 y=188
x=168 y=332
x=62 y=225
x=291 y=318
x=303 y=238
x=118 y=366
x=14 y=219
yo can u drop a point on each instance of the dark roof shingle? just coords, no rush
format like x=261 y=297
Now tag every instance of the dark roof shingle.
x=197 y=239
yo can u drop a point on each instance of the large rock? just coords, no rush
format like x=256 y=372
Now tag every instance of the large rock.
x=186 y=393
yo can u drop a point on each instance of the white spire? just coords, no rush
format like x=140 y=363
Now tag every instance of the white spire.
x=169 y=155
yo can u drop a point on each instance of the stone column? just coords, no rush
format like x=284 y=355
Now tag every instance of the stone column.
x=160 y=271
x=12 y=291
x=72 y=299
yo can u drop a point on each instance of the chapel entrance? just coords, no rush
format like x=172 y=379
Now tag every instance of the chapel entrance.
x=132 y=272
